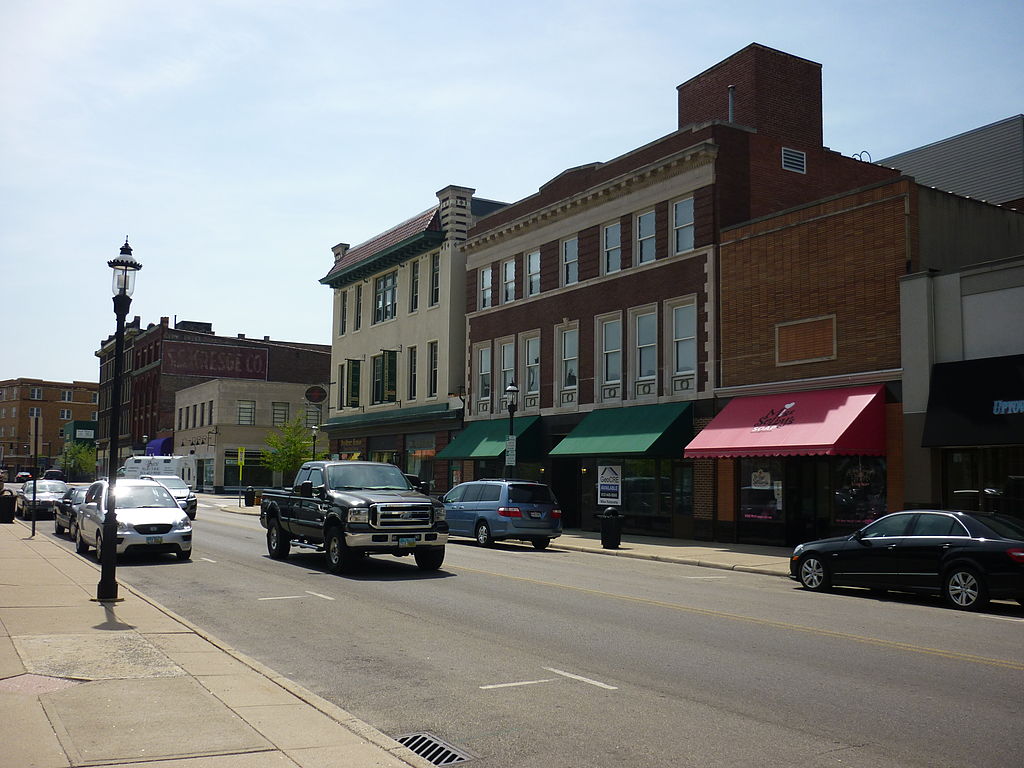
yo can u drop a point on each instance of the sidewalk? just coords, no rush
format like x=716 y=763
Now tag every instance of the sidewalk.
x=771 y=561
x=87 y=683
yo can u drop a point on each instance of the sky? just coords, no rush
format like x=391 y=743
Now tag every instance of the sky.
x=234 y=142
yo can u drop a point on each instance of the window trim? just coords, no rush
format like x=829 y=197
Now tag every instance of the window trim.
x=606 y=250
x=485 y=287
x=677 y=228
x=565 y=263
x=508 y=285
x=433 y=363
x=435 y=280
x=414 y=286
x=343 y=313
x=244 y=409
x=531 y=287
x=640 y=239
x=385 y=297
x=526 y=341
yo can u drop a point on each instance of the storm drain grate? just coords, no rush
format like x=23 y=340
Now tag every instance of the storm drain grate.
x=436 y=751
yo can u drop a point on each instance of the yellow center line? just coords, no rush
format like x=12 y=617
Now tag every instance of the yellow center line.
x=890 y=644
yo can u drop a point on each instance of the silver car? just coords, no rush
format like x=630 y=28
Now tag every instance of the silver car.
x=148 y=519
x=180 y=490
x=41 y=495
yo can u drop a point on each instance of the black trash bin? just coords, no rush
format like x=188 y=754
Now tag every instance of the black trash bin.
x=611 y=528
x=7 y=502
x=250 y=496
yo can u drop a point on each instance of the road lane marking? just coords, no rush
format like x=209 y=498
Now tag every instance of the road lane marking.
x=284 y=597
x=571 y=676
x=207 y=559
x=317 y=594
x=513 y=685
x=889 y=644
x=1002 y=618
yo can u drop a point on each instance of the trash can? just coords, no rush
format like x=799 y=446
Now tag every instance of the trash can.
x=611 y=528
x=7 y=501
x=250 y=496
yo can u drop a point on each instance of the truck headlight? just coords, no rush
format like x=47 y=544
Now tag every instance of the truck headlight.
x=440 y=513
x=359 y=515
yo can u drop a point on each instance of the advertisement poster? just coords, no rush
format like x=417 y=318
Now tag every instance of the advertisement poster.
x=609 y=486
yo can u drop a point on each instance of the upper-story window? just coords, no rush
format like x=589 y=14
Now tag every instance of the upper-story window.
x=508 y=365
x=95 y=398
x=414 y=286
x=684 y=338
x=612 y=248
x=247 y=412
x=385 y=375
x=65 y=414
x=385 y=298
x=533 y=365
x=645 y=238
x=280 y=413
x=435 y=279
x=570 y=261
x=35 y=412
x=508 y=281
x=611 y=351
x=67 y=396
x=432 y=363
x=486 y=291
x=570 y=358
x=682 y=225
x=646 y=345
x=357 y=321
x=35 y=393
x=533 y=273
x=343 y=314
x=484 y=373
x=411 y=385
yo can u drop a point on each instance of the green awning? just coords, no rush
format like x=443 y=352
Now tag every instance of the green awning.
x=486 y=440
x=636 y=430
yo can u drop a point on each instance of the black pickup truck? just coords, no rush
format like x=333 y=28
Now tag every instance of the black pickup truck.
x=349 y=509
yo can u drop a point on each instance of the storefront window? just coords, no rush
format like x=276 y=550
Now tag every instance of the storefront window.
x=419 y=455
x=859 y=485
x=985 y=479
x=761 y=490
x=640 y=492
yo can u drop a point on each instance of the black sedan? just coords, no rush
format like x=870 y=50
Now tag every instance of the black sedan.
x=65 y=514
x=967 y=557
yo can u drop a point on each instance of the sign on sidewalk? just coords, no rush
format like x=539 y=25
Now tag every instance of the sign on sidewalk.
x=609 y=486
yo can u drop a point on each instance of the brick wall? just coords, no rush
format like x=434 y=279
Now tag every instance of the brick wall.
x=843 y=257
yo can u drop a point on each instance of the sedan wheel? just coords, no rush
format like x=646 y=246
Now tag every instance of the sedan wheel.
x=57 y=527
x=814 y=574
x=964 y=589
x=80 y=546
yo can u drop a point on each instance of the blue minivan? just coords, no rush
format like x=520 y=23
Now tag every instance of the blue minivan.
x=493 y=510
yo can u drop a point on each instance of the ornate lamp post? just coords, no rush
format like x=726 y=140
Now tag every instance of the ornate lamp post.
x=512 y=402
x=316 y=429
x=124 y=267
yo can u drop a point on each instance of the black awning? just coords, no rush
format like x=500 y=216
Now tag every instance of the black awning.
x=976 y=402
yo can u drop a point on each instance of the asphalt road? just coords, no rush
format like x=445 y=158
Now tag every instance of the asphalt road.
x=568 y=659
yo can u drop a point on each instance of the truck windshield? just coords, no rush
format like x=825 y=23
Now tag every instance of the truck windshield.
x=341 y=477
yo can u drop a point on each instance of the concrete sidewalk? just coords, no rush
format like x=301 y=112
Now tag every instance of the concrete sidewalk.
x=86 y=683
x=770 y=561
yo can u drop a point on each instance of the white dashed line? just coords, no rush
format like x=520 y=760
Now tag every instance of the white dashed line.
x=571 y=676
x=317 y=594
x=207 y=559
x=285 y=597
x=513 y=685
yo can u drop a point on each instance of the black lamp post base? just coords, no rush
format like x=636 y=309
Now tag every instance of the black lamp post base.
x=106 y=599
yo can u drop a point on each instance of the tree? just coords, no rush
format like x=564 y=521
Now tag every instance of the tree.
x=79 y=461
x=288 y=448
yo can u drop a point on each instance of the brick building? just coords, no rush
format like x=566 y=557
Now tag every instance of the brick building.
x=160 y=360
x=33 y=414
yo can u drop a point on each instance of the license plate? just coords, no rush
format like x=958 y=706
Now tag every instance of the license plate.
x=536 y=515
x=154 y=539
x=407 y=541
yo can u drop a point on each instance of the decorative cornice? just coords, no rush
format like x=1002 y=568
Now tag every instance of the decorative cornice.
x=701 y=154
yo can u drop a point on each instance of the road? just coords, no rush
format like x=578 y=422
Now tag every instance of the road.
x=568 y=659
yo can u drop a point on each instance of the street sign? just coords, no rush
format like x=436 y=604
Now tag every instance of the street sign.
x=316 y=394
x=241 y=457
x=510 y=451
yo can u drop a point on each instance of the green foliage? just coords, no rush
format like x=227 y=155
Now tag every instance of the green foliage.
x=79 y=461
x=288 y=448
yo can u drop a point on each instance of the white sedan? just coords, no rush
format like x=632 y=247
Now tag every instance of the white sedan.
x=148 y=519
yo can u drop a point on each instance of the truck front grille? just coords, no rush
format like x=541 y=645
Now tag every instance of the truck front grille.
x=400 y=516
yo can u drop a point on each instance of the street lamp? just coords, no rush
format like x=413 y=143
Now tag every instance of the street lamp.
x=512 y=401
x=124 y=268
x=316 y=429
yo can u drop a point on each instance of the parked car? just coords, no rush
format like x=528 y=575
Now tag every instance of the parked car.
x=967 y=557
x=180 y=490
x=148 y=519
x=494 y=510
x=23 y=477
x=41 y=495
x=65 y=516
x=54 y=474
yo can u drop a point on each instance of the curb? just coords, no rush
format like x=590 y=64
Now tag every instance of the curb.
x=676 y=560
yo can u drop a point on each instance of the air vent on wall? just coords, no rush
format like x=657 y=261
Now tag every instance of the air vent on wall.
x=794 y=160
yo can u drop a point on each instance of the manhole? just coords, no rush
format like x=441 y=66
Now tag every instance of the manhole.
x=437 y=751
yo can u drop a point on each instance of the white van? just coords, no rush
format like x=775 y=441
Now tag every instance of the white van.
x=182 y=466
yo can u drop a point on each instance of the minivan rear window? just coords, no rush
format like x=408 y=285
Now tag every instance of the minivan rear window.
x=524 y=493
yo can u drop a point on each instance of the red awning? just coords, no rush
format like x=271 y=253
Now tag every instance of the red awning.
x=848 y=422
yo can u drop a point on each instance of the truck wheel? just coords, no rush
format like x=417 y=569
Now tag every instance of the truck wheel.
x=278 y=545
x=340 y=559
x=429 y=559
